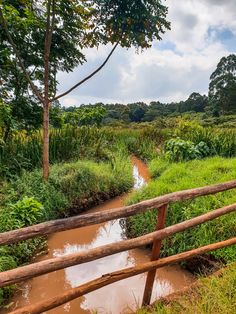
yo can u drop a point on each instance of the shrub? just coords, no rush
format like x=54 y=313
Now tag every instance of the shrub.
x=25 y=212
x=181 y=150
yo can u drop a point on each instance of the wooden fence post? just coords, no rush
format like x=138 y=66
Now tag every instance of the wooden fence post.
x=162 y=211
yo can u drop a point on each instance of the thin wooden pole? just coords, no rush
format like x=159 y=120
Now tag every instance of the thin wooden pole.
x=156 y=249
x=107 y=279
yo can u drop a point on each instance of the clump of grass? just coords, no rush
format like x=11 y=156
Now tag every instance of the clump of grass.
x=186 y=175
x=216 y=294
x=157 y=166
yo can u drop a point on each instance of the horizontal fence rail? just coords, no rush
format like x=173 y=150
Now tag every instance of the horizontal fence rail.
x=110 y=278
x=56 y=263
x=161 y=203
x=53 y=226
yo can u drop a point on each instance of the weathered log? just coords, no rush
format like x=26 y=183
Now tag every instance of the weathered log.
x=50 y=227
x=43 y=267
x=107 y=279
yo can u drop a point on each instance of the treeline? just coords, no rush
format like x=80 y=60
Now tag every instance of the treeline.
x=108 y=114
x=23 y=113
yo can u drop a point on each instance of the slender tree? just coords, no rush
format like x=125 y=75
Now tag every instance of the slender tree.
x=56 y=33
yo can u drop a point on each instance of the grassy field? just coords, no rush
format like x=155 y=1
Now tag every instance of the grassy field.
x=213 y=295
x=170 y=177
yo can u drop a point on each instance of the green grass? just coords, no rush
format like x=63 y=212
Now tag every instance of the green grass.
x=72 y=187
x=216 y=294
x=24 y=151
x=186 y=175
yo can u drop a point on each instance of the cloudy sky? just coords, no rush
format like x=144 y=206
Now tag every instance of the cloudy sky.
x=202 y=31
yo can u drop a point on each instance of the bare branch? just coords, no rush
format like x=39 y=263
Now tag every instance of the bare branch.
x=19 y=60
x=88 y=77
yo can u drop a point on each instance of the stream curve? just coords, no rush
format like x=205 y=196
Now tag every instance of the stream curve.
x=121 y=297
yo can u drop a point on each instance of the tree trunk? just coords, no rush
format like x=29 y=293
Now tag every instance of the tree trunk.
x=46 y=139
x=6 y=133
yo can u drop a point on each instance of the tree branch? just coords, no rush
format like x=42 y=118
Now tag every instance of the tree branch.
x=19 y=60
x=88 y=77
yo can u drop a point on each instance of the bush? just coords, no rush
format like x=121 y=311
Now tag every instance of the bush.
x=183 y=176
x=181 y=150
x=23 y=213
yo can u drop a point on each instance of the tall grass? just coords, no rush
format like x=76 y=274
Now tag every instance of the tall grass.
x=222 y=142
x=180 y=176
x=213 y=295
x=24 y=151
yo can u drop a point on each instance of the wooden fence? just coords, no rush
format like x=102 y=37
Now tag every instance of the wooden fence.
x=161 y=203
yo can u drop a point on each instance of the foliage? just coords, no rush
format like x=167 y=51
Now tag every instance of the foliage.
x=221 y=142
x=222 y=88
x=176 y=177
x=6 y=121
x=180 y=150
x=91 y=116
x=216 y=294
x=25 y=212
x=157 y=166
x=140 y=111
x=88 y=23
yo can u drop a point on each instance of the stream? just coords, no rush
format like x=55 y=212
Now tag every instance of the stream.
x=121 y=297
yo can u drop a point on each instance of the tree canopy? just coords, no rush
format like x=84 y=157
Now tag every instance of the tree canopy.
x=222 y=88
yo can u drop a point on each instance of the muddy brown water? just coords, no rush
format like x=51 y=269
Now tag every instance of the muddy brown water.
x=121 y=297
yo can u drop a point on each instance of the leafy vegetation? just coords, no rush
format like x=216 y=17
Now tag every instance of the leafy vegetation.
x=216 y=294
x=180 y=176
x=180 y=150
x=221 y=142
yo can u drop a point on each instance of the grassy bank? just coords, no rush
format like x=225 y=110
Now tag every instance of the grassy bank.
x=216 y=294
x=71 y=187
x=170 y=177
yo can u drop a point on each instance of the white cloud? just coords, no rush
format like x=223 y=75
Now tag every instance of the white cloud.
x=161 y=73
